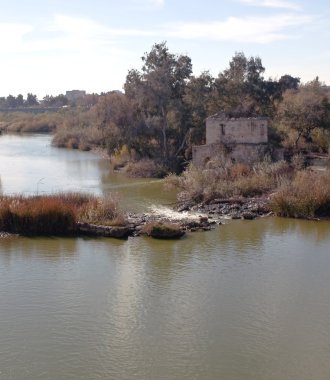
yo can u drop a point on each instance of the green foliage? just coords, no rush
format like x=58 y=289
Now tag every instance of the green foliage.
x=157 y=93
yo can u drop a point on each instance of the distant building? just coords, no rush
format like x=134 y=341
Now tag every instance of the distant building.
x=241 y=139
x=74 y=95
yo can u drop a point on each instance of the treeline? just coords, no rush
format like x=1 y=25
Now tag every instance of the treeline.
x=18 y=101
x=162 y=112
x=31 y=100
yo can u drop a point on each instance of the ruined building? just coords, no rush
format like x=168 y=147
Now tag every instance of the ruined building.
x=241 y=139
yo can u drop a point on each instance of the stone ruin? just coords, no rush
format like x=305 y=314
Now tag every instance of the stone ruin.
x=241 y=139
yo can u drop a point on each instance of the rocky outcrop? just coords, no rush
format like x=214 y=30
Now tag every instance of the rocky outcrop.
x=119 y=232
x=234 y=208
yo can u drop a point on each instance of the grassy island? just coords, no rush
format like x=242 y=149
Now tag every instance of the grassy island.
x=57 y=214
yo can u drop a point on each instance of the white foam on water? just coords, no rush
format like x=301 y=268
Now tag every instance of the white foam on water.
x=174 y=215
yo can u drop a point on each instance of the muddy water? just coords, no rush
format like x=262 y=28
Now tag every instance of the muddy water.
x=248 y=300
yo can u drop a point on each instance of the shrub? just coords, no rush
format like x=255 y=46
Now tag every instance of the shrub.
x=145 y=169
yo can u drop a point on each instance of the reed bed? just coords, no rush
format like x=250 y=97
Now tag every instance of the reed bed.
x=57 y=214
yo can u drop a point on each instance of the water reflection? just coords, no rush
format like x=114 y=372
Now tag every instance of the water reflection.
x=51 y=249
x=30 y=165
x=318 y=231
x=248 y=300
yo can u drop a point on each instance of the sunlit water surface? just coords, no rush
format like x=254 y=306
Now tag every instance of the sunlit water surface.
x=249 y=300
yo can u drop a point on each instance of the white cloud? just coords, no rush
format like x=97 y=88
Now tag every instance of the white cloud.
x=148 y=3
x=63 y=34
x=248 y=29
x=273 y=4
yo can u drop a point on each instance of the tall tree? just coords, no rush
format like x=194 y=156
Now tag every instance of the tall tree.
x=11 y=101
x=242 y=90
x=31 y=100
x=158 y=91
x=198 y=97
x=304 y=110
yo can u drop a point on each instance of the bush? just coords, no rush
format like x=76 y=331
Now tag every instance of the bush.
x=145 y=169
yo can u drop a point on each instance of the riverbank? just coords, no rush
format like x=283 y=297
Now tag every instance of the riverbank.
x=75 y=214
x=242 y=191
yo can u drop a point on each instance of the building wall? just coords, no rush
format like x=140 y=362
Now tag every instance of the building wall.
x=240 y=131
x=202 y=154
x=73 y=95
x=245 y=153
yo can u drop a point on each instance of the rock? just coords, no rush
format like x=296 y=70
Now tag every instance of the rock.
x=236 y=216
x=166 y=232
x=118 y=232
x=249 y=215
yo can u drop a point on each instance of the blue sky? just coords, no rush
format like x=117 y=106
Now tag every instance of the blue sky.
x=50 y=46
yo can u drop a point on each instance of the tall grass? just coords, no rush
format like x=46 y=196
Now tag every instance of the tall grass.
x=105 y=211
x=307 y=196
x=56 y=214
x=36 y=216
x=224 y=180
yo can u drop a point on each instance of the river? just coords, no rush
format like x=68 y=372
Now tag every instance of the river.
x=249 y=300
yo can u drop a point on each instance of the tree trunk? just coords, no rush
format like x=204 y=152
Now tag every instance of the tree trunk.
x=164 y=128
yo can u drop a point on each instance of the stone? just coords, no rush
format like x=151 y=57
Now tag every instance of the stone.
x=248 y=215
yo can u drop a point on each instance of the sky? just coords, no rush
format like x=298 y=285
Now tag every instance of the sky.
x=51 y=46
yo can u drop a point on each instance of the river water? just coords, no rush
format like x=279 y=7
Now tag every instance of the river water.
x=249 y=300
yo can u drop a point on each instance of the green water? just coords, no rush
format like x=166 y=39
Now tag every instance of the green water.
x=248 y=300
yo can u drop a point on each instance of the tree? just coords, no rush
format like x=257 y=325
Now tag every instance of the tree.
x=31 y=100
x=241 y=89
x=55 y=101
x=305 y=109
x=158 y=93
x=11 y=101
x=198 y=96
x=19 y=100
